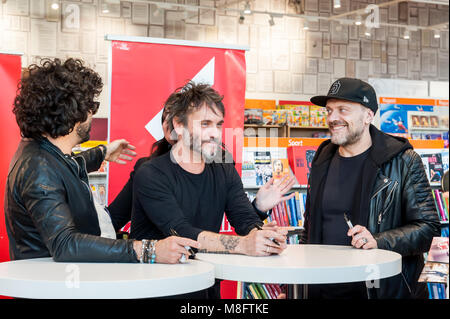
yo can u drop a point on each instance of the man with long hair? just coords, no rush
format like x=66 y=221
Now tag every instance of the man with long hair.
x=48 y=204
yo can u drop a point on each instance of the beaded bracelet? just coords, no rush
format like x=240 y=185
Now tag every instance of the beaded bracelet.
x=152 y=251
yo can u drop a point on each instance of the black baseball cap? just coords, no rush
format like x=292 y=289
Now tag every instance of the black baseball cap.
x=352 y=90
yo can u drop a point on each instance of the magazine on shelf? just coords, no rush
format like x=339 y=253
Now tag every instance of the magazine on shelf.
x=434 y=163
x=434 y=272
x=439 y=250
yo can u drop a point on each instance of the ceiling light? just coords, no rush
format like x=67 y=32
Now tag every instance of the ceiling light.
x=437 y=34
x=247 y=9
x=368 y=32
x=337 y=4
x=358 y=20
x=305 y=25
x=406 y=35
x=105 y=8
x=55 y=5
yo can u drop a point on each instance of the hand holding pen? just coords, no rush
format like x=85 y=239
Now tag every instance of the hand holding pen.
x=361 y=237
x=188 y=248
x=265 y=242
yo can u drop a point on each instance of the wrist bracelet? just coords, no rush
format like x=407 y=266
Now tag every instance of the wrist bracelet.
x=143 y=251
x=153 y=251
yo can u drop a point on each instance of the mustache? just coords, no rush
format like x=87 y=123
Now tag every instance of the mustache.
x=337 y=123
x=212 y=140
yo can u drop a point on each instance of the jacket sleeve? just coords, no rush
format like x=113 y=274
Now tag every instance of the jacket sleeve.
x=93 y=158
x=44 y=197
x=238 y=209
x=419 y=213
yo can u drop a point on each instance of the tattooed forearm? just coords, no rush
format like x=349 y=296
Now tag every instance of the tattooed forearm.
x=229 y=242
x=213 y=252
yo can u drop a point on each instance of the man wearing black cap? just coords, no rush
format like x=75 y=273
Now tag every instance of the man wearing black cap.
x=379 y=182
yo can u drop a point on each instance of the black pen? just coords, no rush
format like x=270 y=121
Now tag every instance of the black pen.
x=173 y=232
x=272 y=239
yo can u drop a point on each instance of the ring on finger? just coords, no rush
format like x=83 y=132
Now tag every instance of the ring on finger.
x=364 y=240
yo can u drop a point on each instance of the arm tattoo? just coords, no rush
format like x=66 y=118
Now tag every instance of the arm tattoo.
x=213 y=252
x=229 y=242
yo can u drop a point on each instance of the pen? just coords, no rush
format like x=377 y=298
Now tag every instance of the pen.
x=174 y=233
x=347 y=220
x=274 y=241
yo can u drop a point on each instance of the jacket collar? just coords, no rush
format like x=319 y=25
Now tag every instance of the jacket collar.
x=384 y=148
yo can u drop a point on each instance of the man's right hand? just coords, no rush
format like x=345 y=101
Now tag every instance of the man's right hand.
x=171 y=249
x=259 y=243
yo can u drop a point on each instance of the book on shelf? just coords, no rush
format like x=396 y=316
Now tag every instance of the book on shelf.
x=290 y=212
x=300 y=160
x=441 y=204
x=280 y=169
x=317 y=116
x=253 y=116
x=437 y=291
x=259 y=290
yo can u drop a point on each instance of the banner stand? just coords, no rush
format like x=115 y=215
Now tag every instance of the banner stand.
x=144 y=71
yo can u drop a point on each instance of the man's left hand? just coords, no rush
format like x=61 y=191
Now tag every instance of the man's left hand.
x=119 y=151
x=272 y=193
x=362 y=238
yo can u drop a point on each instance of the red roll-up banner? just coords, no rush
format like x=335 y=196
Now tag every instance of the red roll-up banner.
x=10 y=71
x=145 y=71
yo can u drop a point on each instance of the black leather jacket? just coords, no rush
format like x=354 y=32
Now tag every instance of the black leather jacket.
x=49 y=207
x=401 y=214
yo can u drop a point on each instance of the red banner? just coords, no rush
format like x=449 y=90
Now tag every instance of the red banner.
x=10 y=70
x=145 y=74
x=143 y=77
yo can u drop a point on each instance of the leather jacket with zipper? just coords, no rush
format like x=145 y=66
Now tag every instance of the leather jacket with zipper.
x=401 y=215
x=49 y=209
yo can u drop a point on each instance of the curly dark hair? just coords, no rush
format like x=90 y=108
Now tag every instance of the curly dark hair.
x=54 y=96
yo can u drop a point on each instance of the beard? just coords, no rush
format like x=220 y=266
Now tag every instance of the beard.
x=347 y=135
x=83 y=131
x=196 y=144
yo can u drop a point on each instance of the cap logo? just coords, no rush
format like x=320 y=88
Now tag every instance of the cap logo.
x=335 y=88
x=365 y=99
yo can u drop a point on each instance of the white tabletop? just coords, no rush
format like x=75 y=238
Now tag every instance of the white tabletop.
x=308 y=264
x=44 y=278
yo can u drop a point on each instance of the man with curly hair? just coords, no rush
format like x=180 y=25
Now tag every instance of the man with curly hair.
x=48 y=204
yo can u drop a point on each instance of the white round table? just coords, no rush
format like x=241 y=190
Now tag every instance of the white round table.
x=307 y=264
x=44 y=278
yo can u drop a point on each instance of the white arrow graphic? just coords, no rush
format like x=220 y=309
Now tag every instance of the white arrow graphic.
x=206 y=76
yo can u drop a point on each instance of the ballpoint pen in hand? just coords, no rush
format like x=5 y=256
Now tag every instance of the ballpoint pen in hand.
x=272 y=239
x=173 y=232
x=347 y=220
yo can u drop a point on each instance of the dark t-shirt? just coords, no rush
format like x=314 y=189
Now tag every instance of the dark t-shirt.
x=166 y=196
x=341 y=187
